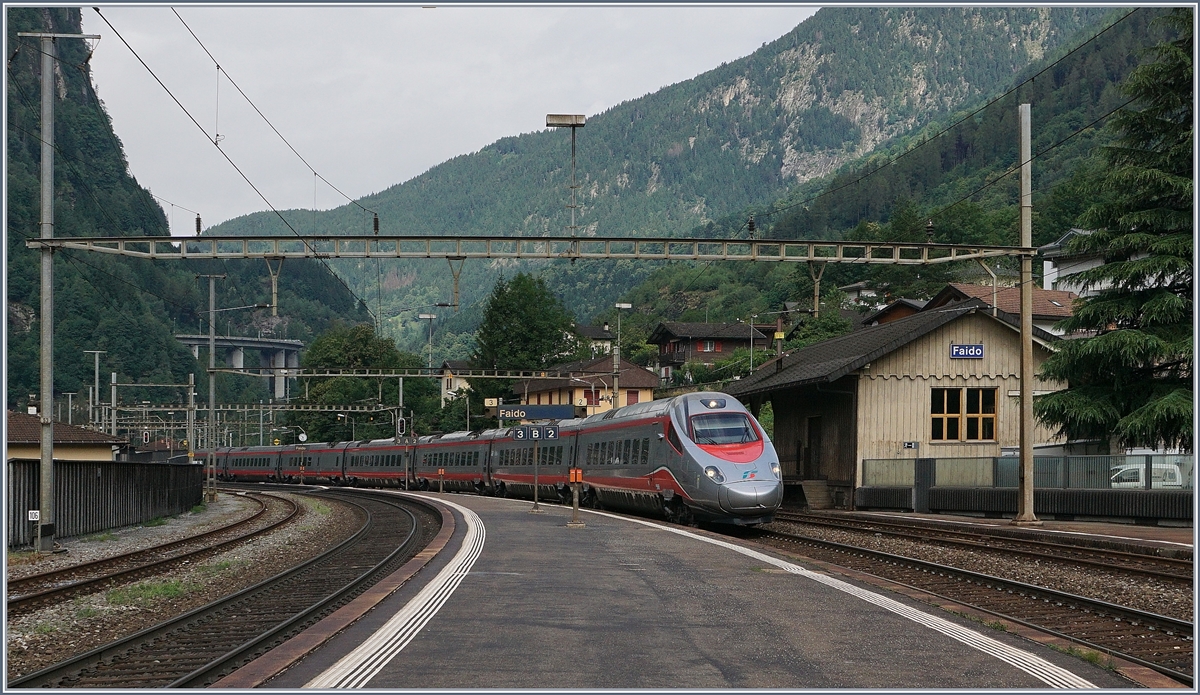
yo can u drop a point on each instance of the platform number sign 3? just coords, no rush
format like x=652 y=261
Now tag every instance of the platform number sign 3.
x=535 y=432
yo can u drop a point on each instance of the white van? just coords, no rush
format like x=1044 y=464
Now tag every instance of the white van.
x=1163 y=476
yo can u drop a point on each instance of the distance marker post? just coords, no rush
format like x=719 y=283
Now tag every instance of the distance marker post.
x=576 y=483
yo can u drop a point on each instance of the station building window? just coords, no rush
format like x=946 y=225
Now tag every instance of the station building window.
x=963 y=414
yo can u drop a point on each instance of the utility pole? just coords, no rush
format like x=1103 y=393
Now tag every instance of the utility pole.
x=616 y=394
x=1025 y=514
x=191 y=417
x=210 y=464
x=45 y=517
x=92 y=419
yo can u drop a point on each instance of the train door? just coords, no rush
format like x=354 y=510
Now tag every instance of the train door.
x=486 y=464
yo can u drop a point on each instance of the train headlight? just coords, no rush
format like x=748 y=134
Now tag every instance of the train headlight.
x=775 y=469
x=712 y=472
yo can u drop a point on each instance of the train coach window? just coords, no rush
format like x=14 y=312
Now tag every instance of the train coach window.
x=723 y=428
x=626 y=453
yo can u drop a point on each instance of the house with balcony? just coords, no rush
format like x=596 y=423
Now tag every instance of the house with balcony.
x=702 y=342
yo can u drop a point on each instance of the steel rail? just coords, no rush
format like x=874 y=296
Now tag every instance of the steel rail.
x=1179 y=570
x=25 y=603
x=210 y=671
x=21 y=586
x=547 y=247
x=146 y=561
x=108 y=656
x=1125 y=622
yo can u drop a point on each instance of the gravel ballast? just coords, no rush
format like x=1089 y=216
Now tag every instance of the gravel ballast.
x=56 y=633
x=1163 y=597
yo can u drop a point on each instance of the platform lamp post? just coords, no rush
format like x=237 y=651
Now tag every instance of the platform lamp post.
x=572 y=121
x=616 y=402
x=430 y=318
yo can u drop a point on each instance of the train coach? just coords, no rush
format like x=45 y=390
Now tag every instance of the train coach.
x=691 y=458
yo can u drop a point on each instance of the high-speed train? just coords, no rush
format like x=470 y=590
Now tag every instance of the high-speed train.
x=699 y=457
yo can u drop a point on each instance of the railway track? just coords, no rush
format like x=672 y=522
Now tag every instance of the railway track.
x=1169 y=568
x=199 y=647
x=28 y=593
x=1158 y=642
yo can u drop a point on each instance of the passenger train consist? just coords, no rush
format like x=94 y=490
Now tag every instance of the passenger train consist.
x=695 y=457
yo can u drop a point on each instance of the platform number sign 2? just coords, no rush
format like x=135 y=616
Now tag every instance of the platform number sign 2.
x=526 y=433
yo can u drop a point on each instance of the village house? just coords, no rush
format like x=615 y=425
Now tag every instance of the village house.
x=590 y=386
x=705 y=343
x=71 y=443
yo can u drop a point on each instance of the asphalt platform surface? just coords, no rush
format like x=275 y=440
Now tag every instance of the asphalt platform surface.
x=629 y=604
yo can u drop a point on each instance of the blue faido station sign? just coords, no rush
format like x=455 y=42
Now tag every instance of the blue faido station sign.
x=536 y=412
x=966 y=352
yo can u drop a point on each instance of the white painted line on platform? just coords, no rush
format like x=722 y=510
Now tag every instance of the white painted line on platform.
x=1050 y=674
x=357 y=668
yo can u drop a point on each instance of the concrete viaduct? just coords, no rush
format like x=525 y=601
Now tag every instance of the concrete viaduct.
x=273 y=354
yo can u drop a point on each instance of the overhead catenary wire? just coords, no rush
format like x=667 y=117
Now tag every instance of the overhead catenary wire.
x=264 y=117
x=95 y=102
x=361 y=301
x=1017 y=167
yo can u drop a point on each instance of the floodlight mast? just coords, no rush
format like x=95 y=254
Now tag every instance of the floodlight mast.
x=572 y=121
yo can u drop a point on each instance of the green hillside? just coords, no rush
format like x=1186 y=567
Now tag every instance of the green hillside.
x=130 y=308
x=684 y=158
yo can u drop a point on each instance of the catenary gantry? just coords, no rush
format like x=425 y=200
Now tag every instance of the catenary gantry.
x=547 y=247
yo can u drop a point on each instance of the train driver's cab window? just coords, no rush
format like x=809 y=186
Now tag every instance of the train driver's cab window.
x=723 y=428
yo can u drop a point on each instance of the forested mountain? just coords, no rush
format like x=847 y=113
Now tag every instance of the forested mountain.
x=684 y=158
x=130 y=308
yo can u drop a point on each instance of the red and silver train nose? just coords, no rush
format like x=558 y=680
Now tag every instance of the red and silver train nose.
x=751 y=496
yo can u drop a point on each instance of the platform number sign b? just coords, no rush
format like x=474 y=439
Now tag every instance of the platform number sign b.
x=526 y=433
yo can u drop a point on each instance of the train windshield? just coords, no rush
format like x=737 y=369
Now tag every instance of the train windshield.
x=723 y=428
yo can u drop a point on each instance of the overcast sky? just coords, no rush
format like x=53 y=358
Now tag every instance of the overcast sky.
x=373 y=96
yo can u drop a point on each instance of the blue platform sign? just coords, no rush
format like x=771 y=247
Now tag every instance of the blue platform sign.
x=966 y=352
x=526 y=433
x=536 y=412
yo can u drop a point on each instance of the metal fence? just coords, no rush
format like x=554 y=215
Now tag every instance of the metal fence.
x=92 y=496
x=1132 y=472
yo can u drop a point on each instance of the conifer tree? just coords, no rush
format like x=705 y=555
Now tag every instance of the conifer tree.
x=1130 y=383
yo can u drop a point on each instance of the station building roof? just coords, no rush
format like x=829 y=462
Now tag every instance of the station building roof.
x=832 y=359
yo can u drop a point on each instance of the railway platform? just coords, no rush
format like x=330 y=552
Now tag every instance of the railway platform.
x=521 y=600
x=1166 y=541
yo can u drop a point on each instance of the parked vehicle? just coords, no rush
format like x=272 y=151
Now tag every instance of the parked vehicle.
x=1163 y=476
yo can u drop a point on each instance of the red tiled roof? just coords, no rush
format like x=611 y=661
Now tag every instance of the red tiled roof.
x=27 y=429
x=596 y=371
x=1046 y=303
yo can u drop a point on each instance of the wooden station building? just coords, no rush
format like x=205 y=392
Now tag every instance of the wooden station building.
x=940 y=383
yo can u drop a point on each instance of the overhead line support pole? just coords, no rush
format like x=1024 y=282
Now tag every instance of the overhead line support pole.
x=210 y=465
x=45 y=517
x=1025 y=513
